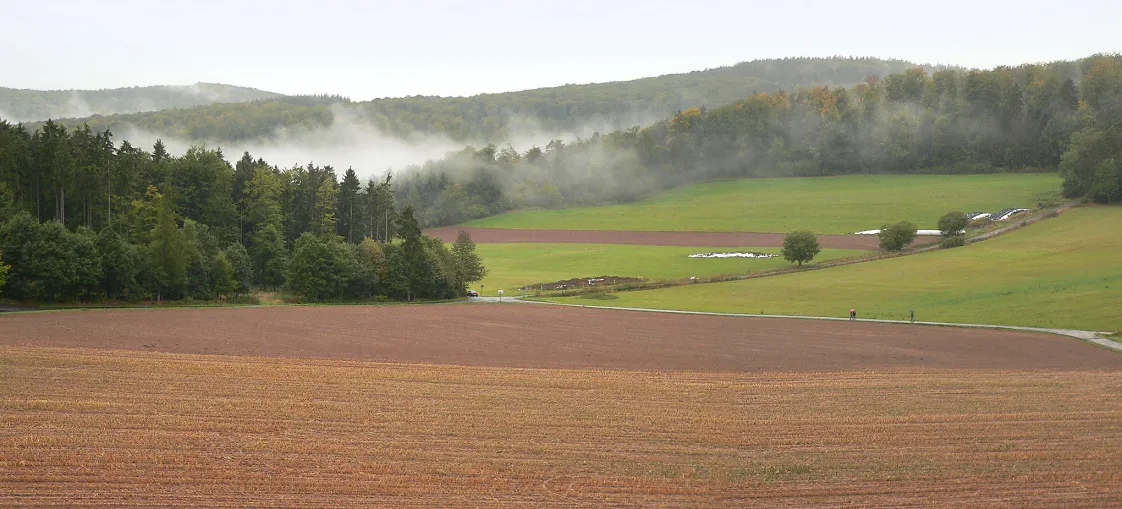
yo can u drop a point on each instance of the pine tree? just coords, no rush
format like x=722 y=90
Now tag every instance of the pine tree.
x=416 y=264
x=327 y=197
x=349 y=212
x=467 y=265
x=169 y=254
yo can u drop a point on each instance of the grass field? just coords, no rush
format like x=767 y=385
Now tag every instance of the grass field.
x=113 y=428
x=820 y=204
x=512 y=265
x=1062 y=272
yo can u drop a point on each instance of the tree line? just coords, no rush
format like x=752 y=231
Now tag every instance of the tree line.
x=83 y=219
x=1061 y=117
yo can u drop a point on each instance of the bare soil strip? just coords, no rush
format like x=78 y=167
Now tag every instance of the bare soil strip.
x=105 y=428
x=640 y=238
x=519 y=335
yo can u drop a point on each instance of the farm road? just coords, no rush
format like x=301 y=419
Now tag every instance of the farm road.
x=1085 y=335
x=644 y=238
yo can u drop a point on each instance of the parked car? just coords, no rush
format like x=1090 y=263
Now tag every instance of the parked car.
x=473 y=293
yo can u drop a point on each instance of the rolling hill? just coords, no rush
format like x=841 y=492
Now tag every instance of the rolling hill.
x=18 y=105
x=573 y=108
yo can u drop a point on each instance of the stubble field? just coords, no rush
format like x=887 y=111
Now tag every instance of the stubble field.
x=661 y=411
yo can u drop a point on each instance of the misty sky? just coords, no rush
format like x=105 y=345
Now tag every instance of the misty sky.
x=378 y=49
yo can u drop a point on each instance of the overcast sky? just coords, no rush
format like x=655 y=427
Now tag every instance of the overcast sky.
x=377 y=49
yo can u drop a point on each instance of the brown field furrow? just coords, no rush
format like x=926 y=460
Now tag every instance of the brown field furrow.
x=641 y=238
x=537 y=336
x=91 y=427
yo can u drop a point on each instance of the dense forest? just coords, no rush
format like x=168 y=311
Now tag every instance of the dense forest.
x=495 y=118
x=18 y=105
x=82 y=217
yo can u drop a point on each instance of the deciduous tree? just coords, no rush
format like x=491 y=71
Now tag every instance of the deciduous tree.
x=897 y=236
x=800 y=247
x=953 y=223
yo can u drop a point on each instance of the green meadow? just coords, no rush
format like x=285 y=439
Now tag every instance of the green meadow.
x=513 y=265
x=1063 y=272
x=820 y=204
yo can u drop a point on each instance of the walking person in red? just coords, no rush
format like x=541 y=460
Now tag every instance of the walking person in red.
x=852 y=314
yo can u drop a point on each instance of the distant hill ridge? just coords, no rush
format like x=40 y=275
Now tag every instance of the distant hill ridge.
x=495 y=117
x=22 y=105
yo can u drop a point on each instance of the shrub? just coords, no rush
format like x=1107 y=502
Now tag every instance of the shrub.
x=898 y=236
x=953 y=241
x=952 y=223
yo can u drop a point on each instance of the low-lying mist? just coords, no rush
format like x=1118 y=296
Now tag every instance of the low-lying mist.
x=352 y=141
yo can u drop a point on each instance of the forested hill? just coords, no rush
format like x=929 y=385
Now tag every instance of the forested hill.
x=35 y=105
x=82 y=216
x=576 y=109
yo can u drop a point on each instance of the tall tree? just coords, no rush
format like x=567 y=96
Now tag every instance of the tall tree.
x=169 y=254
x=350 y=208
x=467 y=265
x=416 y=267
x=326 y=199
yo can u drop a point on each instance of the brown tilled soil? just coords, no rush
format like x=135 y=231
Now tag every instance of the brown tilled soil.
x=542 y=336
x=693 y=239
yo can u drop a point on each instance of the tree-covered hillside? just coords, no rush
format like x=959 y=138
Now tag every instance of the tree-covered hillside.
x=192 y=225
x=1062 y=115
x=496 y=117
x=36 y=105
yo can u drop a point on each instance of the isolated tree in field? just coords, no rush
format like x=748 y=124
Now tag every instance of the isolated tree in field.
x=952 y=223
x=897 y=236
x=800 y=247
x=467 y=266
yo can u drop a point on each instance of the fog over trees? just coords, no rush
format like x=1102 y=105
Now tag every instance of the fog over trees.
x=83 y=215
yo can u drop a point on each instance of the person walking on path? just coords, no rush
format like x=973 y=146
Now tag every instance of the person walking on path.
x=852 y=314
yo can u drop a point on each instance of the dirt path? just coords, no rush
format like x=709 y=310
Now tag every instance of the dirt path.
x=519 y=335
x=642 y=238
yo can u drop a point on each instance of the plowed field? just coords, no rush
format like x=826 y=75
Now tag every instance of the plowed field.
x=698 y=411
x=641 y=238
x=541 y=336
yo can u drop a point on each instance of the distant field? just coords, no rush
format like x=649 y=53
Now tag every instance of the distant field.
x=513 y=265
x=1062 y=272
x=820 y=204
x=113 y=428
